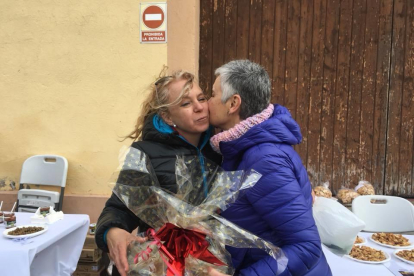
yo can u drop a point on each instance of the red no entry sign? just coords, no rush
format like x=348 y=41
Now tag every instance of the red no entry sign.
x=153 y=23
x=153 y=17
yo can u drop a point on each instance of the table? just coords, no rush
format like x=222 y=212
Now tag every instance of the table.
x=342 y=266
x=55 y=252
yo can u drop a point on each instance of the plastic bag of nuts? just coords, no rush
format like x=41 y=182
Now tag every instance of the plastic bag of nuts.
x=323 y=190
x=365 y=188
x=346 y=195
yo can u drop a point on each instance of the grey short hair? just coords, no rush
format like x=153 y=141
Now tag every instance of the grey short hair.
x=250 y=81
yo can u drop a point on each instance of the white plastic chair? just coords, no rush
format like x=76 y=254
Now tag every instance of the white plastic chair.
x=49 y=170
x=384 y=213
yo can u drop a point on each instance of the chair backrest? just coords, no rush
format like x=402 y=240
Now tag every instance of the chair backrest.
x=48 y=170
x=45 y=170
x=384 y=213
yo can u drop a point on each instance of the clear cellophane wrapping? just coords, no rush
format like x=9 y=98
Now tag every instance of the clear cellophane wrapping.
x=202 y=192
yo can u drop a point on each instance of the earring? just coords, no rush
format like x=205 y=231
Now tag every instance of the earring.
x=174 y=125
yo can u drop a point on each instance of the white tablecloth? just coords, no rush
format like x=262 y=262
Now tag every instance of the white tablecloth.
x=55 y=252
x=342 y=266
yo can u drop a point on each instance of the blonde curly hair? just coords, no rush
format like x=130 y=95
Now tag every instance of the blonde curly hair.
x=157 y=100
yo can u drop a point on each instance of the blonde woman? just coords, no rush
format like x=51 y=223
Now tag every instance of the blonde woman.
x=174 y=121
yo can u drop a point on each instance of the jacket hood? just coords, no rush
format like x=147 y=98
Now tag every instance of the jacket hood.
x=279 y=128
x=156 y=130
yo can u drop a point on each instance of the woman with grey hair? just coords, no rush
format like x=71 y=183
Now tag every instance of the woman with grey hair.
x=259 y=135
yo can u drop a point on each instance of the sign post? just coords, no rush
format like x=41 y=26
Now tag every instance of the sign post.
x=153 y=27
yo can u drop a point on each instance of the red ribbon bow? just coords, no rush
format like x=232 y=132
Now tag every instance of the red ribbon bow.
x=178 y=244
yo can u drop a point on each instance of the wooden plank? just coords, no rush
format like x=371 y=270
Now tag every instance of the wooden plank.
x=341 y=95
x=279 y=52
x=218 y=36
x=255 y=30
x=381 y=95
x=368 y=90
x=206 y=45
x=292 y=48
x=394 y=116
x=315 y=100
x=328 y=91
x=268 y=30
x=353 y=169
x=304 y=65
x=405 y=187
x=230 y=32
x=243 y=15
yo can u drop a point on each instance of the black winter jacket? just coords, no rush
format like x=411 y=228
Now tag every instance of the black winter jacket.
x=162 y=148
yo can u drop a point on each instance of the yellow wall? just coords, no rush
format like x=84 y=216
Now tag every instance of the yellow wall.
x=183 y=35
x=72 y=77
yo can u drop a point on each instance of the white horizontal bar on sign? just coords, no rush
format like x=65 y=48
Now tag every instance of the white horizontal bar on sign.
x=153 y=17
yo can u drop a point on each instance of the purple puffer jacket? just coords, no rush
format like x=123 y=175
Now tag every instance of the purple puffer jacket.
x=279 y=207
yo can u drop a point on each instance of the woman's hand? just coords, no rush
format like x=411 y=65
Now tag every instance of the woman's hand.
x=118 y=240
x=215 y=272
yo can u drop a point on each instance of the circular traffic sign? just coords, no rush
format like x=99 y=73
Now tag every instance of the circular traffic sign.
x=153 y=17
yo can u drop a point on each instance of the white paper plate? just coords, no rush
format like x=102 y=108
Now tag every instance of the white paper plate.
x=364 y=241
x=393 y=246
x=388 y=258
x=402 y=259
x=6 y=232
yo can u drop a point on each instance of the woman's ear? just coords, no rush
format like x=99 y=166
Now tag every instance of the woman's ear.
x=234 y=104
x=167 y=118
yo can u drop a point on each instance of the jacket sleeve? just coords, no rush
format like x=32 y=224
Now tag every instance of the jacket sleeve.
x=279 y=199
x=115 y=214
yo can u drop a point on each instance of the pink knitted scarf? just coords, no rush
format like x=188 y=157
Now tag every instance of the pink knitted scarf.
x=241 y=128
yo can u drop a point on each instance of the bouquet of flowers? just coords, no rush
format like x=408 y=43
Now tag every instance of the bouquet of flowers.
x=186 y=234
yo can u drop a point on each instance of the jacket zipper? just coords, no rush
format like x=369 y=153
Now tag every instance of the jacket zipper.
x=201 y=158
